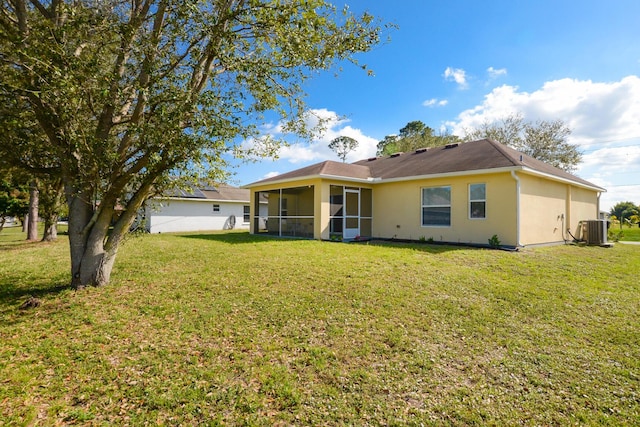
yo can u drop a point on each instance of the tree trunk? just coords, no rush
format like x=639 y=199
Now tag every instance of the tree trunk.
x=91 y=262
x=50 y=229
x=93 y=244
x=95 y=266
x=32 y=226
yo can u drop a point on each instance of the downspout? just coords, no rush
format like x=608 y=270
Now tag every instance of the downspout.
x=513 y=174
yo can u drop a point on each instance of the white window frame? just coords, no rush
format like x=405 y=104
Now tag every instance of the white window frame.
x=471 y=201
x=216 y=208
x=423 y=205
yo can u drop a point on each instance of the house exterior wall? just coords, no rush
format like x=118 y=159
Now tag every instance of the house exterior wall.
x=584 y=206
x=175 y=215
x=525 y=211
x=397 y=210
x=548 y=208
x=543 y=209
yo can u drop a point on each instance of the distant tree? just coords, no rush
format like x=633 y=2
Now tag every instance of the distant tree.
x=413 y=136
x=14 y=200
x=33 y=215
x=415 y=128
x=51 y=204
x=386 y=145
x=343 y=145
x=542 y=140
x=25 y=152
x=624 y=211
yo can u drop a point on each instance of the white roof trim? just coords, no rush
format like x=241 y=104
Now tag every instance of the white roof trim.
x=497 y=170
x=434 y=176
x=316 y=176
x=449 y=174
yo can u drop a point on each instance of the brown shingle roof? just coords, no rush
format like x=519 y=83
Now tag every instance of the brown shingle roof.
x=484 y=154
x=325 y=169
x=481 y=155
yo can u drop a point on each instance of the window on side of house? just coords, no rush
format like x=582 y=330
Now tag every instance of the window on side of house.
x=477 y=201
x=436 y=206
x=246 y=214
x=216 y=208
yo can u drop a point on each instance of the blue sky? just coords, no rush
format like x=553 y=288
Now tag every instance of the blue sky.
x=456 y=64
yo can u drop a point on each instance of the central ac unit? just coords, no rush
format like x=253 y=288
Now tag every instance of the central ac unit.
x=596 y=232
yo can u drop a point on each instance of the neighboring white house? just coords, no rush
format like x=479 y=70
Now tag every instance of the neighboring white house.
x=220 y=207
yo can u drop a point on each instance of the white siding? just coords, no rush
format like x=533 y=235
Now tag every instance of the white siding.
x=165 y=216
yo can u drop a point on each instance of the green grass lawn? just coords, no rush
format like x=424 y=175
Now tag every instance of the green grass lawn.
x=628 y=234
x=235 y=329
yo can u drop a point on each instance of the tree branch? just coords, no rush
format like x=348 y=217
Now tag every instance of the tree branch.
x=106 y=119
x=20 y=8
x=144 y=78
x=43 y=10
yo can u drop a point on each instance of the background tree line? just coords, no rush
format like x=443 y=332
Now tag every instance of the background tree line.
x=625 y=213
x=543 y=140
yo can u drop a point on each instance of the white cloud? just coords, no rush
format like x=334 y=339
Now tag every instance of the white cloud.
x=328 y=125
x=457 y=75
x=594 y=111
x=496 y=72
x=603 y=116
x=433 y=102
x=270 y=175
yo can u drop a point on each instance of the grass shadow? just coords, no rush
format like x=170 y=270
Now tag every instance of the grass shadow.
x=246 y=237
x=428 y=247
x=232 y=238
x=13 y=294
x=16 y=245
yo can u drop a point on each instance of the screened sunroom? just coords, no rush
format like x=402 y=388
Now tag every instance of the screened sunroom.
x=289 y=213
x=321 y=211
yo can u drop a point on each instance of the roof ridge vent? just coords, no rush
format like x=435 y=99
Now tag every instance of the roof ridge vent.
x=422 y=150
x=454 y=145
x=396 y=154
x=371 y=159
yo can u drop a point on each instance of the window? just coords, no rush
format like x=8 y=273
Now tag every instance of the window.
x=477 y=201
x=436 y=206
x=246 y=214
x=216 y=208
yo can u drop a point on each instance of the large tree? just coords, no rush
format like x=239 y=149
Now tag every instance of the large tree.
x=543 y=140
x=413 y=136
x=132 y=94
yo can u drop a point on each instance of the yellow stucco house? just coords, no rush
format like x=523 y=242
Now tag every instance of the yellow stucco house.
x=460 y=193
